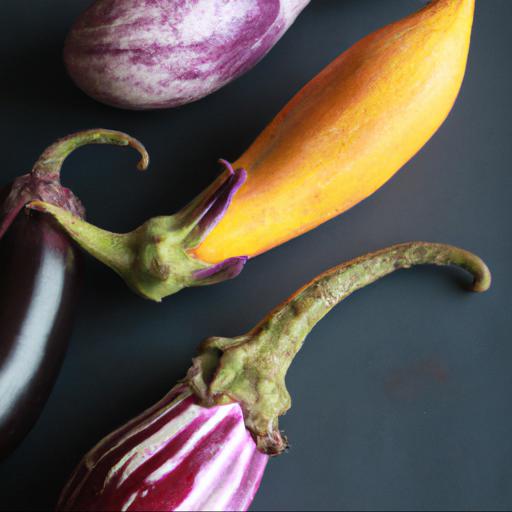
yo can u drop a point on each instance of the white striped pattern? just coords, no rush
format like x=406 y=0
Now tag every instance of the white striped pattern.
x=177 y=455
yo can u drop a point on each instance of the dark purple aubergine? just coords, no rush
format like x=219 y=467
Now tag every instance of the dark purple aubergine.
x=39 y=277
x=39 y=281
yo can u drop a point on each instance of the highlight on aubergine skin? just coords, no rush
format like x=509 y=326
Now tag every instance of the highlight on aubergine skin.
x=206 y=444
x=40 y=275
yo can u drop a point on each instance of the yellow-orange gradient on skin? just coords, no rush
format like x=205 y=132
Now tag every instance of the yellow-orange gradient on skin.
x=348 y=131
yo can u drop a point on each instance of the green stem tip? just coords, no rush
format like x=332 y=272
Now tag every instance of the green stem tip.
x=251 y=369
x=49 y=164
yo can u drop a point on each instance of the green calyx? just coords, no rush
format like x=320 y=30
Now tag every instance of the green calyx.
x=251 y=369
x=154 y=259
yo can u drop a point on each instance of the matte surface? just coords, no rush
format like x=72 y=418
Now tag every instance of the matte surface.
x=401 y=395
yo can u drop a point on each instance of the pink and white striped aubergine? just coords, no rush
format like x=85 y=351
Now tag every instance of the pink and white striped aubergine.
x=177 y=455
x=205 y=446
x=146 y=54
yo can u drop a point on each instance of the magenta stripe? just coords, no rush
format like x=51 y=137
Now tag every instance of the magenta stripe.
x=224 y=473
x=102 y=495
x=131 y=439
x=95 y=487
x=172 y=490
x=82 y=473
x=119 y=433
x=250 y=482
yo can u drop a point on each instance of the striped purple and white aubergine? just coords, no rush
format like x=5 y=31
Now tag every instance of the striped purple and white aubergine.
x=178 y=455
x=146 y=54
x=205 y=446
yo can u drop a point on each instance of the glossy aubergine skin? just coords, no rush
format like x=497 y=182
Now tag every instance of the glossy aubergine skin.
x=177 y=455
x=39 y=274
x=39 y=278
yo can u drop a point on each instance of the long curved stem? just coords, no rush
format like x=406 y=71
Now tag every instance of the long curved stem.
x=251 y=369
x=301 y=312
x=49 y=164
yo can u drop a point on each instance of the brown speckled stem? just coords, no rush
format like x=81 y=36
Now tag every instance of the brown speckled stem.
x=251 y=369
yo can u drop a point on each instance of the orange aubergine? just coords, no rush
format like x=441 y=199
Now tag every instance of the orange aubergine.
x=338 y=140
x=348 y=131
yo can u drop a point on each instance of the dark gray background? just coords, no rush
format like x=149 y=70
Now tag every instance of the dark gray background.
x=402 y=394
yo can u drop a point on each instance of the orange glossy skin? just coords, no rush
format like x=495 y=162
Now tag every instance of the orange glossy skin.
x=348 y=131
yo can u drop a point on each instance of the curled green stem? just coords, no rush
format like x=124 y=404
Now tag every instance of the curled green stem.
x=43 y=184
x=49 y=164
x=251 y=369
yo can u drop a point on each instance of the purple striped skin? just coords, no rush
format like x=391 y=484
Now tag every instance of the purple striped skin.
x=177 y=455
x=147 y=54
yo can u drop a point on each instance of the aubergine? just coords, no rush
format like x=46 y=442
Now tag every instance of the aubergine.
x=39 y=280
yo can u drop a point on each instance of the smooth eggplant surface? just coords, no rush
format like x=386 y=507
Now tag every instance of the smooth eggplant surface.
x=38 y=284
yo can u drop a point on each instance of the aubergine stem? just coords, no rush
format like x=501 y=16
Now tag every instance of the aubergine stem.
x=49 y=164
x=43 y=182
x=251 y=369
x=154 y=259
